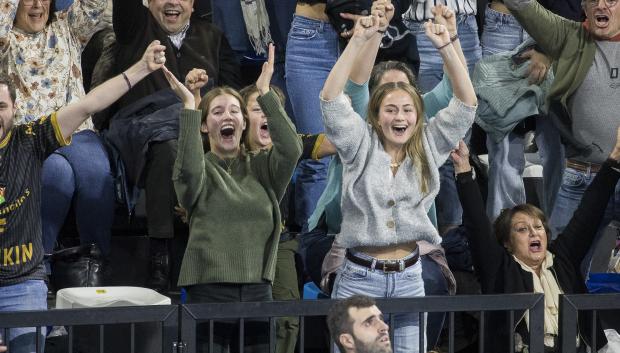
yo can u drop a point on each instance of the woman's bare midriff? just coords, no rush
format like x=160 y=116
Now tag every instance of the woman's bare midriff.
x=499 y=7
x=392 y=252
x=315 y=12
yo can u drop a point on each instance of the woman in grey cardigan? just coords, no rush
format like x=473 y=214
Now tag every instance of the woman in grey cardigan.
x=390 y=177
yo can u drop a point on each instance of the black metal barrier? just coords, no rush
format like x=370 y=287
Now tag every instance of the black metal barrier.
x=598 y=304
x=193 y=314
x=178 y=323
x=165 y=315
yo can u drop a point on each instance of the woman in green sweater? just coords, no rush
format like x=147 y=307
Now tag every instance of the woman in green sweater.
x=232 y=199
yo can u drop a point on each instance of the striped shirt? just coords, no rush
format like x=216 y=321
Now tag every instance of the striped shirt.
x=22 y=152
x=420 y=10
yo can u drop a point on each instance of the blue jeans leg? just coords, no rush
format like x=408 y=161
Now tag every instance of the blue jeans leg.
x=574 y=184
x=501 y=33
x=506 y=165
x=552 y=157
x=434 y=284
x=311 y=52
x=79 y=174
x=353 y=279
x=28 y=295
x=228 y=16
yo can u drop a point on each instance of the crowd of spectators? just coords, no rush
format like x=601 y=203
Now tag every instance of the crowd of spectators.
x=325 y=164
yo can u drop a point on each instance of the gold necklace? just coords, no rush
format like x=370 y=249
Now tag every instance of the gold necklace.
x=395 y=164
x=230 y=164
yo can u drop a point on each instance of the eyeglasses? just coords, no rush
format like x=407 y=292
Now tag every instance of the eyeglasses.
x=31 y=2
x=594 y=3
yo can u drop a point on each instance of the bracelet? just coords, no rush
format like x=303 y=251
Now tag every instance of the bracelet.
x=454 y=38
x=443 y=46
x=382 y=32
x=126 y=79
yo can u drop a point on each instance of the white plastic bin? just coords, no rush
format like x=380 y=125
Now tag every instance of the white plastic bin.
x=98 y=297
x=148 y=335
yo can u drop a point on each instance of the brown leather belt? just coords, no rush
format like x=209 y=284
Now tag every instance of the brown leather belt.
x=385 y=265
x=585 y=167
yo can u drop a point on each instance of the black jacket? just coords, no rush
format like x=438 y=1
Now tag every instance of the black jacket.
x=154 y=118
x=204 y=47
x=500 y=273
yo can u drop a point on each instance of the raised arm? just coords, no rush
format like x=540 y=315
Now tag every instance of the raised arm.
x=383 y=10
x=287 y=148
x=7 y=17
x=365 y=29
x=461 y=83
x=549 y=30
x=188 y=174
x=72 y=116
x=84 y=17
x=583 y=226
x=445 y=16
x=486 y=252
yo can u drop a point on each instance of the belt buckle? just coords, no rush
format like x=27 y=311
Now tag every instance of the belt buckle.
x=400 y=263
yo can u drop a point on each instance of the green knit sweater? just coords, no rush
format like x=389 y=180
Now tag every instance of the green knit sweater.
x=234 y=218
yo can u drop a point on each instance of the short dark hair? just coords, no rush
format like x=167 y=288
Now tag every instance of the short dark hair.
x=8 y=82
x=503 y=224
x=381 y=68
x=338 y=319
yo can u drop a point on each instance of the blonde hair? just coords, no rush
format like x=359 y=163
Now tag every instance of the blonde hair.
x=414 y=146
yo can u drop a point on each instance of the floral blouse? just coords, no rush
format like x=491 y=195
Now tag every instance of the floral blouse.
x=46 y=66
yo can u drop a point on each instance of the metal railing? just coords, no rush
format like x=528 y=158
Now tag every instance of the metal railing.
x=194 y=314
x=165 y=315
x=178 y=324
x=571 y=305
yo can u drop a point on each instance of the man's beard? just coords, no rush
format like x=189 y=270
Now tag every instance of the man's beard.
x=373 y=347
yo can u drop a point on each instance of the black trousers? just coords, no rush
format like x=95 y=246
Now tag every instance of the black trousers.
x=226 y=333
x=160 y=195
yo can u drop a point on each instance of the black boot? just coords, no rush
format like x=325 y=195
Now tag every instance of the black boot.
x=159 y=275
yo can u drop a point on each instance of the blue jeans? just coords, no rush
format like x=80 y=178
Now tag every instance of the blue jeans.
x=574 y=184
x=502 y=32
x=311 y=52
x=78 y=175
x=355 y=279
x=507 y=162
x=28 y=295
x=431 y=63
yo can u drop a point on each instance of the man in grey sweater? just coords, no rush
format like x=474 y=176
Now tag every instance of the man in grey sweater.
x=587 y=85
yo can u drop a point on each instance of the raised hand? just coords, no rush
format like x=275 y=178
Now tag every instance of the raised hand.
x=437 y=33
x=460 y=157
x=264 y=80
x=445 y=16
x=154 y=56
x=181 y=91
x=365 y=28
x=196 y=79
x=539 y=64
x=384 y=11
